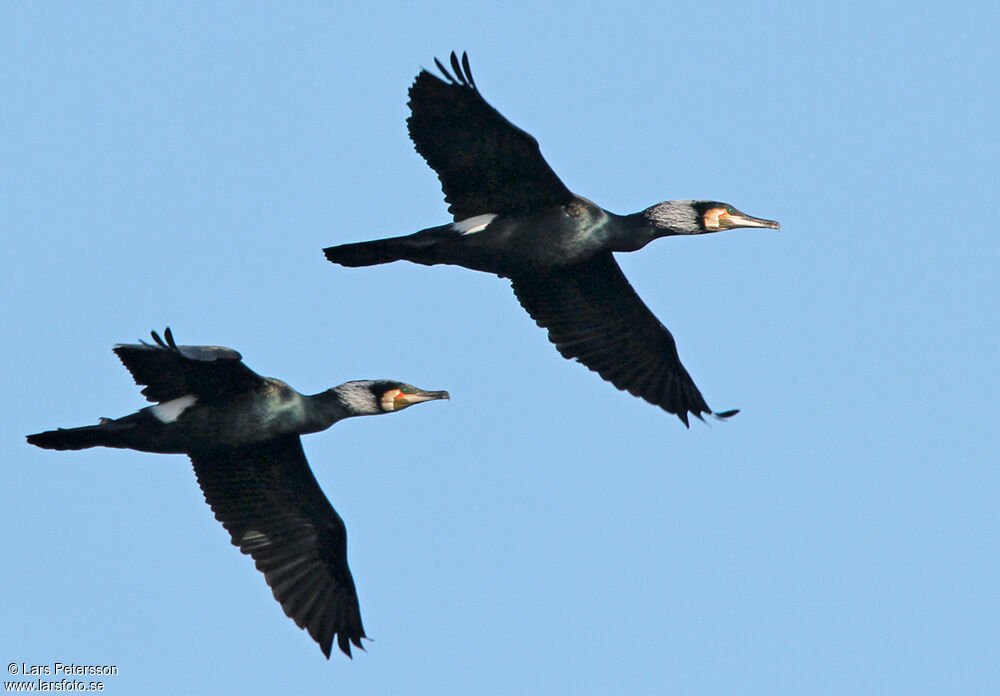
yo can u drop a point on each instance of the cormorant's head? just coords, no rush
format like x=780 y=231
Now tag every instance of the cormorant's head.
x=368 y=397
x=715 y=216
x=395 y=396
x=700 y=217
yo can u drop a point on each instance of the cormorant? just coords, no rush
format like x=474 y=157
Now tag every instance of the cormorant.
x=515 y=218
x=241 y=432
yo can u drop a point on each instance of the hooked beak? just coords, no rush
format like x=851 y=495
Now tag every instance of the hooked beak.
x=403 y=400
x=728 y=221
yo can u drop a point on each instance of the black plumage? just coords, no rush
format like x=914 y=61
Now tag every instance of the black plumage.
x=515 y=218
x=170 y=372
x=241 y=432
x=483 y=160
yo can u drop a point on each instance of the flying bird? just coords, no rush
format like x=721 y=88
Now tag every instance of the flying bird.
x=515 y=218
x=241 y=432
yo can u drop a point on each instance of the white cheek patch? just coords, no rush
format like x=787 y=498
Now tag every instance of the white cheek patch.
x=169 y=411
x=713 y=218
x=389 y=400
x=476 y=223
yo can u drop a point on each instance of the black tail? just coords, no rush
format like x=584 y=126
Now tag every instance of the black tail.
x=417 y=248
x=77 y=438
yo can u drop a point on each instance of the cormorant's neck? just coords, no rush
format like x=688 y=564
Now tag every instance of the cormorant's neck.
x=633 y=232
x=328 y=407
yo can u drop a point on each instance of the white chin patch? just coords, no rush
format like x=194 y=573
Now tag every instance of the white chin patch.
x=476 y=223
x=169 y=411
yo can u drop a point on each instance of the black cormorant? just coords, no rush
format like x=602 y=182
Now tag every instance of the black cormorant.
x=241 y=431
x=515 y=218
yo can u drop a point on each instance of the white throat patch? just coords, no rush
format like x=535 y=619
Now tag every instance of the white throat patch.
x=169 y=411
x=476 y=223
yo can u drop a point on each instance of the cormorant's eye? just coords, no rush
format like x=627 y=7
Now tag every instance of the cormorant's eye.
x=406 y=389
x=729 y=209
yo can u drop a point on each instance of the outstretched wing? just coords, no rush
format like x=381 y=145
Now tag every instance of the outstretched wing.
x=485 y=163
x=271 y=504
x=170 y=371
x=593 y=314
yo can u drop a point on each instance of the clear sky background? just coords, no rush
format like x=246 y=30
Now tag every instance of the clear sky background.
x=184 y=164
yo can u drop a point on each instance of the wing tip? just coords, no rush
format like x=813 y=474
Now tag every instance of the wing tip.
x=722 y=416
x=165 y=343
x=344 y=642
x=460 y=74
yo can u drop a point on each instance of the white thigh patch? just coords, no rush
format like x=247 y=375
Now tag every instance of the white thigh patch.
x=169 y=411
x=476 y=223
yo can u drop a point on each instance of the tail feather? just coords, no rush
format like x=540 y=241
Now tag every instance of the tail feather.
x=76 y=438
x=415 y=247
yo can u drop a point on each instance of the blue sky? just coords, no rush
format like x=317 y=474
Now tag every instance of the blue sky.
x=185 y=164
